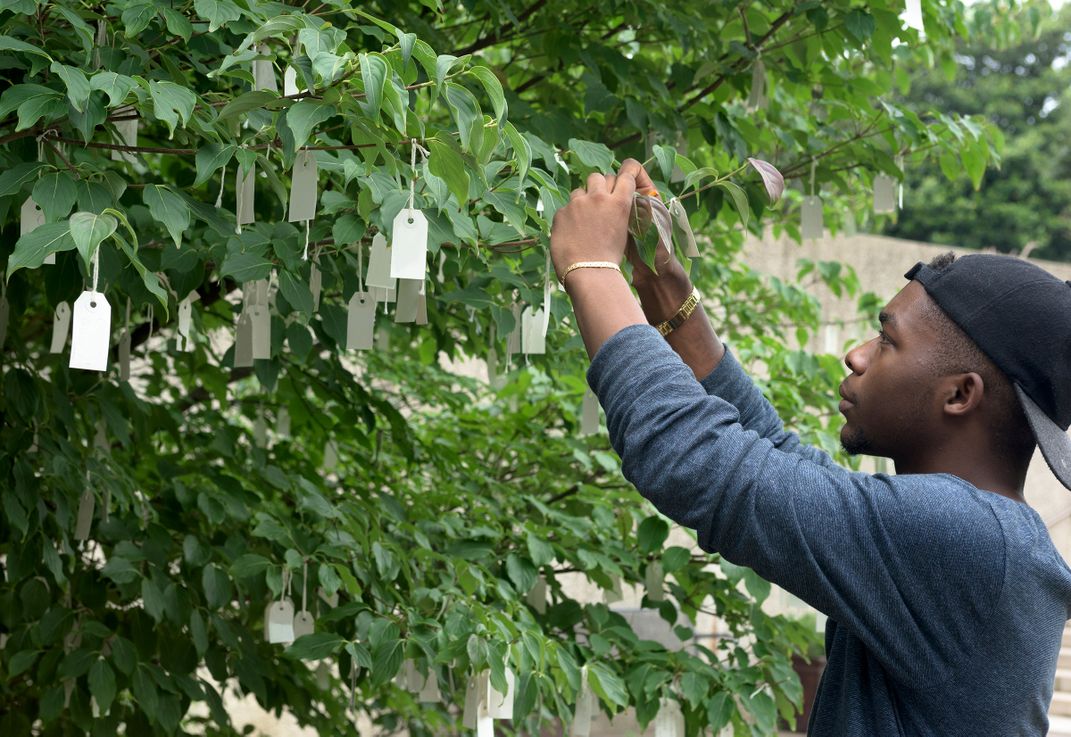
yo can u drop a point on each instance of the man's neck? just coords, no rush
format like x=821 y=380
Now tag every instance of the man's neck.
x=985 y=474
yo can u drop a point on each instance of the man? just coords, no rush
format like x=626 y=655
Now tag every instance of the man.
x=946 y=598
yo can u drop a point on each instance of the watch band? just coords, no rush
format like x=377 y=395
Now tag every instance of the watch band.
x=588 y=265
x=685 y=311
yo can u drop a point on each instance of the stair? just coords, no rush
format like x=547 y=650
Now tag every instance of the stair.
x=1060 y=708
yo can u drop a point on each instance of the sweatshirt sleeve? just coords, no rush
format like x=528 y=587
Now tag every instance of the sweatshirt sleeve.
x=729 y=381
x=912 y=565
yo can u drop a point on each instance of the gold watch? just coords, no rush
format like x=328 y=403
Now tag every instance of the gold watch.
x=685 y=311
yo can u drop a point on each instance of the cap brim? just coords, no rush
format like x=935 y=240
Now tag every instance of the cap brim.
x=1055 y=443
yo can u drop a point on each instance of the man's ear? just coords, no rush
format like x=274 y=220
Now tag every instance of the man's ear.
x=963 y=394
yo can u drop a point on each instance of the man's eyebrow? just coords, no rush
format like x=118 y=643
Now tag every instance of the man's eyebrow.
x=886 y=319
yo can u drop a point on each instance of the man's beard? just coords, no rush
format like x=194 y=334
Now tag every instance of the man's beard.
x=855 y=443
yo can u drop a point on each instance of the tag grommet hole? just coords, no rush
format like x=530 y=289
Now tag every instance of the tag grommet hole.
x=410 y=221
x=93 y=305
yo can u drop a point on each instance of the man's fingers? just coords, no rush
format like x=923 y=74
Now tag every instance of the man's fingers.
x=611 y=179
x=625 y=187
x=596 y=183
x=576 y=193
x=636 y=170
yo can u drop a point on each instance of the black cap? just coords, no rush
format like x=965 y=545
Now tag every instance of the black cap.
x=1019 y=315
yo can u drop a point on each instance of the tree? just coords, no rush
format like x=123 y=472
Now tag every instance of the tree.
x=1020 y=85
x=147 y=524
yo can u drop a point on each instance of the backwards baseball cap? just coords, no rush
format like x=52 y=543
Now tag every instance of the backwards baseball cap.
x=1019 y=315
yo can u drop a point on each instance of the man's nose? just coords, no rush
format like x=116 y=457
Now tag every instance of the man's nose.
x=857 y=358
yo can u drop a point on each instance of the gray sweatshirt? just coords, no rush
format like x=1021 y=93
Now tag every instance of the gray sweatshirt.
x=946 y=603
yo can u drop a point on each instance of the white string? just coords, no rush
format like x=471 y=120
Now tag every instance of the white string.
x=814 y=166
x=360 y=267
x=308 y=225
x=304 y=586
x=96 y=267
x=219 y=197
x=149 y=339
x=286 y=582
x=412 y=165
x=900 y=186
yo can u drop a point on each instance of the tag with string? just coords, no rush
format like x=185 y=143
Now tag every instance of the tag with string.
x=330 y=456
x=125 y=120
x=409 y=234
x=61 y=327
x=185 y=322
x=264 y=71
x=654 y=581
x=811 y=216
x=513 y=342
x=360 y=322
x=244 y=188
x=422 y=304
x=303 y=187
x=84 y=518
x=585 y=708
x=124 y=347
x=613 y=594
x=243 y=340
x=428 y=693
x=290 y=82
x=884 y=193
x=669 y=722
x=537 y=596
x=408 y=300
x=31 y=216
x=91 y=324
x=304 y=624
x=282 y=422
x=912 y=15
x=315 y=284
x=589 y=413
x=382 y=286
x=281 y=615
x=683 y=228
x=260 y=429
x=757 y=98
x=500 y=703
x=533 y=339
x=900 y=183
x=475 y=700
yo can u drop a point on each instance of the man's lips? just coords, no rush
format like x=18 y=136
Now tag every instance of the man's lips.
x=846 y=401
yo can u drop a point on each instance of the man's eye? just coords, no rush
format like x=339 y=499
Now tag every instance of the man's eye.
x=883 y=337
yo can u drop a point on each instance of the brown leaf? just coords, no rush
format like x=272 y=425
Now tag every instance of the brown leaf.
x=771 y=178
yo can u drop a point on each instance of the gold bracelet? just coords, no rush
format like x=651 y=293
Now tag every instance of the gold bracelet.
x=686 y=310
x=588 y=265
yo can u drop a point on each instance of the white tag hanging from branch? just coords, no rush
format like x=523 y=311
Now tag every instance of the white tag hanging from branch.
x=303 y=187
x=757 y=98
x=381 y=284
x=304 y=624
x=124 y=346
x=264 y=71
x=409 y=298
x=811 y=216
x=884 y=194
x=244 y=188
x=126 y=131
x=589 y=413
x=260 y=319
x=91 y=325
x=409 y=234
x=585 y=708
x=61 y=327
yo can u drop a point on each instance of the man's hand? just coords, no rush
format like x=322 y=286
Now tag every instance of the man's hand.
x=594 y=225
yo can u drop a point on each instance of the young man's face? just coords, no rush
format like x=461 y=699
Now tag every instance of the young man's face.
x=888 y=399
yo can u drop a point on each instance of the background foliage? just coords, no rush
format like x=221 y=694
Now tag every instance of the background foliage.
x=427 y=501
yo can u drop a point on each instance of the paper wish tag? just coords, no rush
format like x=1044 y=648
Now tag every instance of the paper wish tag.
x=360 y=322
x=669 y=722
x=409 y=299
x=654 y=581
x=409 y=245
x=281 y=622
x=884 y=193
x=757 y=98
x=243 y=341
x=244 y=188
x=264 y=71
x=513 y=342
x=304 y=624
x=533 y=332
x=91 y=332
x=589 y=413
x=303 y=187
x=683 y=228
x=124 y=355
x=260 y=319
x=428 y=692
x=500 y=703
x=537 y=596
x=84 y=519
x=290 y=86
x=315 y=286
x=912 y=15
x=379 y=261
x=31 y=216
x=475 y=701
x=585 y=708
x=61 y=326
x=811 y=217
x=185 y=322
x=127 y=130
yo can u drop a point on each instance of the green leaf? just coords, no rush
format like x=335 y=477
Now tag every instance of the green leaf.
x=32 y=248
x=145 y=693
x=124 y=655
x=152 y=599
x=467 y=116
x=115 y=86
x=249 y=565
x=210 y=159
x=296 y=291
x=443 y=64
x=666 y=156
x=246 y=102
x=756 y=585
x=539 y=550
x=217 y=12
x=46 y=107
x=607 y=685
x=7 y=43
x=522 y=151
x=592 y=155
x=975 y=157
x=739 y=198
x=21 y=662
x=217 y=586
x=315 y=646
x=651 y=534
x=304 y=116
x=446 y=163
x=374 y=71
x=102 y=684
x=675 y=558
x=171 y=104
x=56 y=194
x=493 y=88
x=89 y=229
x=148 y=278
x=243 y=266
x=137 y=17
x=860 y=24
x=167 y=208
x=78 y=88
x=11 y=180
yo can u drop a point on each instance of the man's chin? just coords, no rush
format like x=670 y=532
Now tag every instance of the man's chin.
x=854 y=441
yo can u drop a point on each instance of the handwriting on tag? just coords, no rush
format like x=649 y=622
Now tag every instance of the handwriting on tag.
x=244 y=187
x=360 y=322
x=884 y=193
x=409 y=245
x=61 y=326
x=303 y=187
x=811 y=217
x=91 y=326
